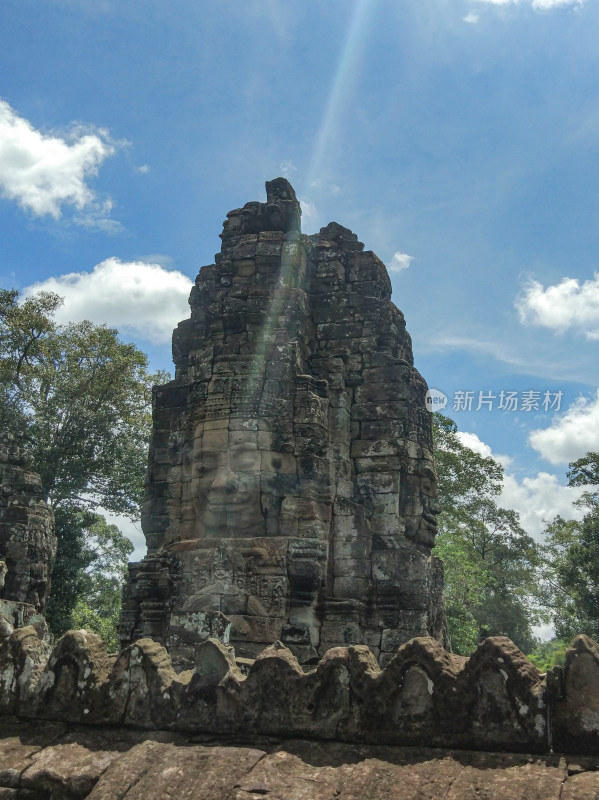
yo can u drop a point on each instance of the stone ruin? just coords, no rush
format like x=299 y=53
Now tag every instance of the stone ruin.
x=291 y=488
x=495 y=699
x=27 y=541
x=76 y=722
x=291 y=496
x=424 y=696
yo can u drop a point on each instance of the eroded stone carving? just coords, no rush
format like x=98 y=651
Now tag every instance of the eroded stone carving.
x=291 y=484
x=425 y=696
x=27 y=538
x=576 y=718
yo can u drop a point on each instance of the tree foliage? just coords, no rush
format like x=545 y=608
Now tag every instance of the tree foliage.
x=584 y=471
x=89 y=571
x=547 y=654
x=68 y=575
x=571 y=573
x=490 y=561
x=80 y=400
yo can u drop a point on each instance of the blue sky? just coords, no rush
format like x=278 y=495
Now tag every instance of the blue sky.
x=457 y=138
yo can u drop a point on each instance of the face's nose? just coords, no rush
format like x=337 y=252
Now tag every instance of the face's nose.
x=432 y=505
x=224 y=480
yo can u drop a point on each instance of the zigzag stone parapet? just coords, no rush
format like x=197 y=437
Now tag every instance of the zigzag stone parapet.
x=494 y=700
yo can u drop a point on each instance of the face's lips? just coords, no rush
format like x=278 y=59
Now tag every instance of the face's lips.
x=229 y=503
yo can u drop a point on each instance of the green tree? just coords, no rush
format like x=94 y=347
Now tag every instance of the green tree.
x=571 y=574
x=72 y=561
x=80 y=399
x=97 y=607
x=547 y=654
x=585 y=471
x=87 y=578
x=490 y=561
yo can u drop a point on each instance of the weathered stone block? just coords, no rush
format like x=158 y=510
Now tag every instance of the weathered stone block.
x=576 y=707
x=352 y=567
x=27 y=538
x=351 y=587
x=246 y=628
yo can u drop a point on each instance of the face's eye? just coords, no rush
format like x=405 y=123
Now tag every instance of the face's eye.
x=244 y=461
x=209 y=461
x=276 y=463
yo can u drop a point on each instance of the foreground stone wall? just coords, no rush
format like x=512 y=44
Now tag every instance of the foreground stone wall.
x=494 y=700
x=54 y=761
x=291 y=484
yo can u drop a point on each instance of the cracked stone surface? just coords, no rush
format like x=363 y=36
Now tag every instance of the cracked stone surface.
x=48 y=763
x=291 y=490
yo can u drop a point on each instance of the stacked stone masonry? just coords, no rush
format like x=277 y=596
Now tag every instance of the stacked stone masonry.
x=426 y=697
x=27 y=538
x=291 y=486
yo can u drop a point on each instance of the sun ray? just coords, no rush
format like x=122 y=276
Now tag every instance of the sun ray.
x=341 y=88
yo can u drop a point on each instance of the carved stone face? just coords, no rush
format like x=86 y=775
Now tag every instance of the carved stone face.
x=237 y=482
x=419 y=504
x=226 y=483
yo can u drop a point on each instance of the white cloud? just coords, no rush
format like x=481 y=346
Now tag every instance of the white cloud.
x=309 y=213
x=471 y=18
x=399 y=262
x=473 y=442
x=565 y=305
x=43 y=172
x=543 y=632
x=324 y=188
x=161 y=259
x=571 y=435
x=538 y=5
x=286 y=168
x=139 y=298
x=132 y=530
x=544 y=5
x=493 y=348
x=537 y=499
x=96 y=217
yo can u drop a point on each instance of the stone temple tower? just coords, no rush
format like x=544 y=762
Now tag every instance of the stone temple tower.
x=291 y=484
